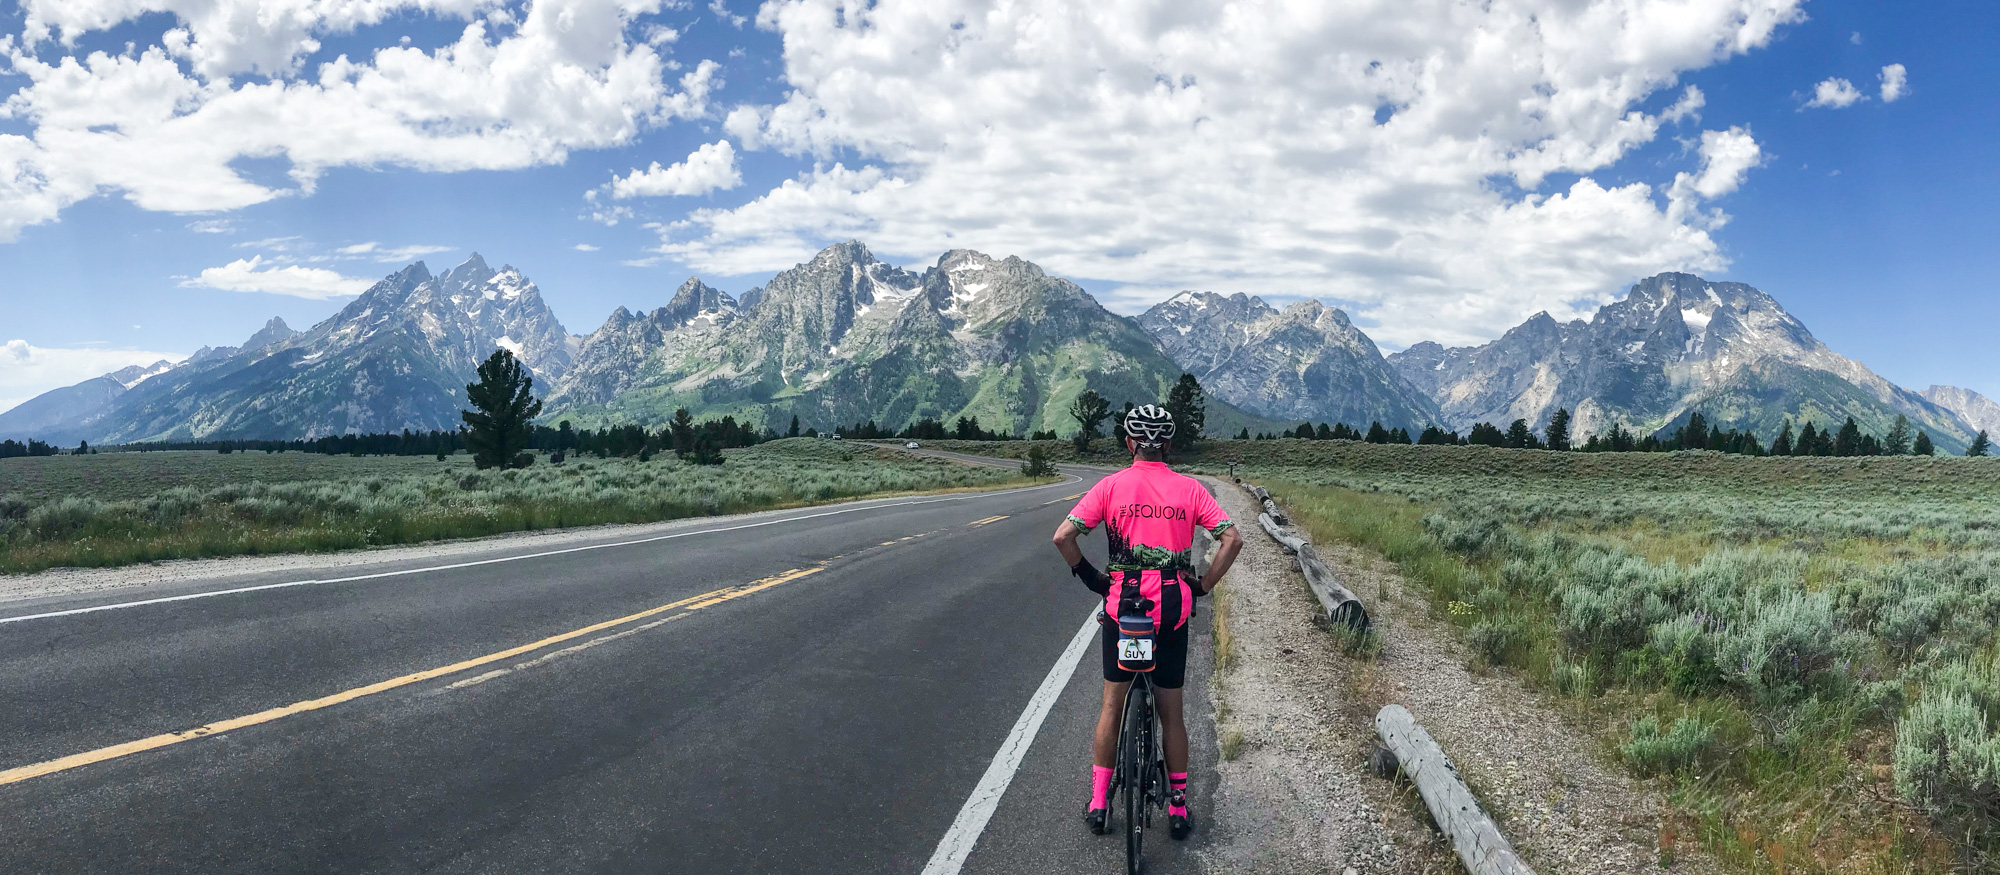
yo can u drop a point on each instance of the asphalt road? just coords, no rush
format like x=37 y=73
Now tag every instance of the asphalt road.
x=821 y=692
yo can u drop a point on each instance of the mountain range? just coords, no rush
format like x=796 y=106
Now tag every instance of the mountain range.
x=848 y=338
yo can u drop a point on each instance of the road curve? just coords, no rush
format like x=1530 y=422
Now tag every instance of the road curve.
x=821 y=692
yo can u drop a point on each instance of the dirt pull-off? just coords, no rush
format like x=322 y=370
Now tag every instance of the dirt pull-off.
x=1299 y=713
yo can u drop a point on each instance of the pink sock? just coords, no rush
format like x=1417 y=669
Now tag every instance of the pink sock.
x=1100 y=787
x=1177 y=794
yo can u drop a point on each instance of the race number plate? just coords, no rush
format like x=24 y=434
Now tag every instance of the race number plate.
x=1135 y=650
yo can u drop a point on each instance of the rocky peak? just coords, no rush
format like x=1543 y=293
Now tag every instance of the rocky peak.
x=274 y=331
x=693 y=300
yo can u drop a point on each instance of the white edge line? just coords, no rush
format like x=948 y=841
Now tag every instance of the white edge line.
x=965 y=829
x=866 y=505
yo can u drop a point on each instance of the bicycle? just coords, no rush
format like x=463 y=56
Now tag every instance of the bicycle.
x=1141 y=768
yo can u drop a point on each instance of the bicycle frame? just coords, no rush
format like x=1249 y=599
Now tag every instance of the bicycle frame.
x=1139 y=750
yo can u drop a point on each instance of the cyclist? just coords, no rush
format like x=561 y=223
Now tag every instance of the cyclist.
x=1149 y=514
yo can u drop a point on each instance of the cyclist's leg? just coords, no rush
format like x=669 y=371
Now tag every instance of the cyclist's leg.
x=1173 y=729
x=1104 y=745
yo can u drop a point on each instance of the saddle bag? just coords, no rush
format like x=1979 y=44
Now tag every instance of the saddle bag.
x=1136 y=637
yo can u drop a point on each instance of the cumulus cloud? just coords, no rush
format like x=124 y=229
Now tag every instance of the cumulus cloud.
x=709 y=168
x=27 y=370
x=253 y=275
x=162 y=124
x=1726 y=159
x=1895 y=83
x=1835 y=93
x=1391 y=156
x=584 y=247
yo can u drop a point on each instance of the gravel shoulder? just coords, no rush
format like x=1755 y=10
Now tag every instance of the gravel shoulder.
x=1298 y=797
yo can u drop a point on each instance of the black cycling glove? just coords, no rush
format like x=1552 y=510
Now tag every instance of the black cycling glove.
x=1093 y=579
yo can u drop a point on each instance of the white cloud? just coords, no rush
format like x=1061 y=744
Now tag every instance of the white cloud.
x=1856 y=38
x=1167 y=144
x=585 y=247
x=213 y=226
x=1895 y=83
x=722 y=13
x=502 y=96
x=358 y=248
x=1835 y=93
x=252 y=275
x=709 y=168
x=27 y=370
x=1726 y=158
x=406 y=254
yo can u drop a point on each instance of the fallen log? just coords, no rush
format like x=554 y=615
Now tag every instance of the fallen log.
x=1338 y=603
x=1479 y=844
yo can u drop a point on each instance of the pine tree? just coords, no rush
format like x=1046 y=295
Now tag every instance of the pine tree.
x=1782 y=446
x=1244 y=435
x=504 y=406
x=1923 y=445
x=1980 y=446
x=1399 y=435
x=1808 y=439
x=1089 y=410
x=795 y=427
x=1323 y=432
x=1520 y=436
x=1694 y=436
x=1558 y=431
x=1848 y=441
x=1824 y=445
x=1898 y=441
x=1377 y=434
x=682 y=430
x=1487 y=434
x=1188 y=404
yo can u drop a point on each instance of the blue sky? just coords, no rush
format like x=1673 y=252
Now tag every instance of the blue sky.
x=1244 y=152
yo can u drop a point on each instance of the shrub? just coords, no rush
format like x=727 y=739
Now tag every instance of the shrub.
x=64 y=517
x=1680 y=748
x=1947 y=756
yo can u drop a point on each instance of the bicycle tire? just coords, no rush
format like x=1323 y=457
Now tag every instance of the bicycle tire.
x=1137 y=721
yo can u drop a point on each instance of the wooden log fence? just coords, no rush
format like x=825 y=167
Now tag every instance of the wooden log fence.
x=1337 y=602
x=1479 y=844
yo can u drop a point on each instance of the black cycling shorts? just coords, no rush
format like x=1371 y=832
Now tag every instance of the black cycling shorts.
x=1169 y=657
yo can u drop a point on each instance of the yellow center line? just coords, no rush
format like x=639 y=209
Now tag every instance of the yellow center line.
x=1063 y=499
x=692 y=603
x=991 y=519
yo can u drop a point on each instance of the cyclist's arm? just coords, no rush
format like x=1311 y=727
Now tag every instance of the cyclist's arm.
x=1066 y=535
x=1227 y=546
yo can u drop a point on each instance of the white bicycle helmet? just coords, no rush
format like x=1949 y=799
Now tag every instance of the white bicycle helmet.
x=1150 y=425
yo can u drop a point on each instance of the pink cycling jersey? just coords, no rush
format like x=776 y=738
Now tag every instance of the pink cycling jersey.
x=1150 y=513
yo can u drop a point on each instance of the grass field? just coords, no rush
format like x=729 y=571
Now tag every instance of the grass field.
x=1802 y=650
x=120 y=508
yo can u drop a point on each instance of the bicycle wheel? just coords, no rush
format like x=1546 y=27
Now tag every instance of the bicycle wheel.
x=1132 y=752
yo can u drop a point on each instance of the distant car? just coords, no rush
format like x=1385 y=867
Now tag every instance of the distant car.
x=836 y=437
x=910 y=446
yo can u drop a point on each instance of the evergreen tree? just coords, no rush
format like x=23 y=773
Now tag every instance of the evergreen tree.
x=1323 y=433
x=1824 y=445
x=681 y=428
x=1558 y=431
x=1377 y=434
x=1399 y=435
x=795 y=427
x=1244 y=435
x=1717 y=440
x=1848 y=441
x=1898 y=441
x=1487 y=434
x=1870 y=446
x=1520 y=436
x=1980 y=446
x=1922 y=447
x=1782 y=446
x=1694 y=436
x=1188 y=405
x=1304 y=432
x=1089 y=410
x=1808 y=439
x=504 y=406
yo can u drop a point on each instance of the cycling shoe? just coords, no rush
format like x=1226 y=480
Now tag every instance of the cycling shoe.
x=1179 y=826
x=1095 y=818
